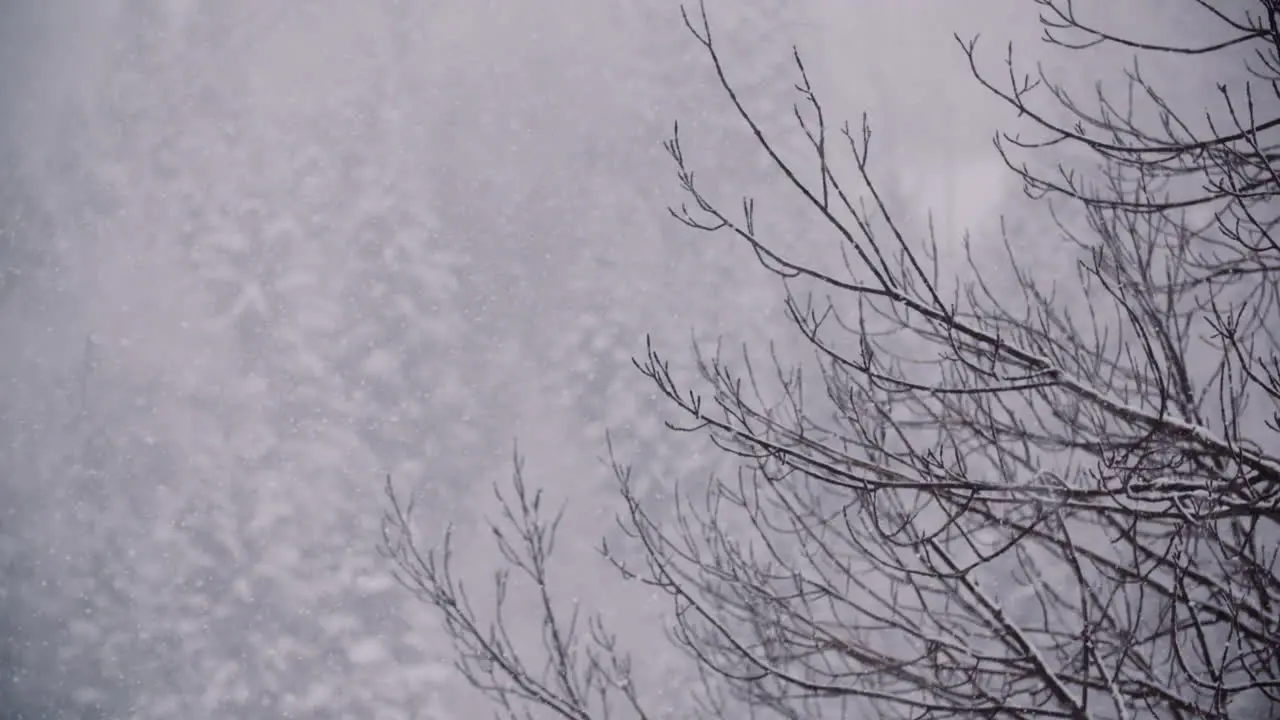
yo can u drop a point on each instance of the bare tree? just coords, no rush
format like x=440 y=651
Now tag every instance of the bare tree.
x=1007 y=495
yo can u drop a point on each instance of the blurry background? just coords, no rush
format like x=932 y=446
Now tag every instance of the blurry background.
x=255 y=256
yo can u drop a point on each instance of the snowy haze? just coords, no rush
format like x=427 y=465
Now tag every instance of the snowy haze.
x=255 y=256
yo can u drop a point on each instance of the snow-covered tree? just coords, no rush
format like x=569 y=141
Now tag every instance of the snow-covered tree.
x=997 y=490
x=232 y=276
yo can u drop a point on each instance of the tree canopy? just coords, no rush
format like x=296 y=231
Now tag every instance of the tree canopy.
x=998 y=490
